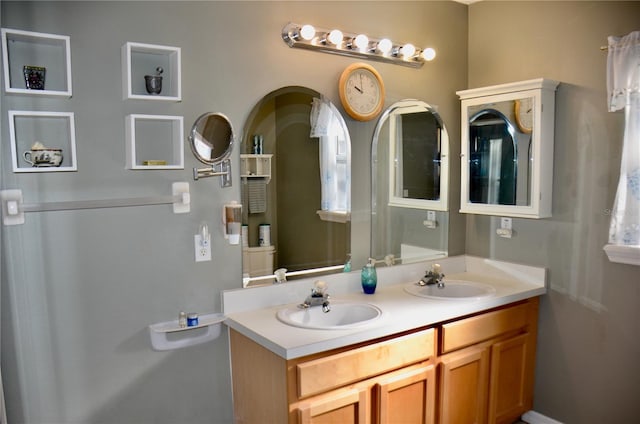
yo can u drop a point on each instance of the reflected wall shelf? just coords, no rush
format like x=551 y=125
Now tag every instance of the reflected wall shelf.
x=154 y=142
x=185 y=336
x=139 y=59
x=255 y=166
x=55 y=130
x=35 y=49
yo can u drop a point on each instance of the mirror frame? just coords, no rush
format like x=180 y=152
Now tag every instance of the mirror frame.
x=195 y=136
x=437 y=205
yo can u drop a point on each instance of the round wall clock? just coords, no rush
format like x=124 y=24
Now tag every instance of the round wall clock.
x=523 y=110
x=361 y=91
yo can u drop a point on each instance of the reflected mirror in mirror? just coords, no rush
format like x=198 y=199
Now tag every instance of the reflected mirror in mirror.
x=410 y=175
x=294 y=218
x=499 y=156
x=211 y=138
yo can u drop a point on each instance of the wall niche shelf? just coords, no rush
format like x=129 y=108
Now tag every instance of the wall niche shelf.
x=154 y=142
x=140 y=59
x=48 y=56
x=255 y=166
x=53 y=130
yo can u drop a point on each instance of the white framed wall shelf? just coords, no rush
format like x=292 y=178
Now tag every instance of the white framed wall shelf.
x=42 y=141
x=155 y=142
x=256 y=166
x=36 y=63
x=141 y=62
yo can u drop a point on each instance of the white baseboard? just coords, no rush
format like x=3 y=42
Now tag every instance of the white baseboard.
x=533 y=417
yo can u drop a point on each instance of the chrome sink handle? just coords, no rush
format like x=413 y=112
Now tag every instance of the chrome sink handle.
x=433 y=276
x=318 y=297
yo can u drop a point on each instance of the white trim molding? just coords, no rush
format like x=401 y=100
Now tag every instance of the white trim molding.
x=533 y=417
x=623 y=254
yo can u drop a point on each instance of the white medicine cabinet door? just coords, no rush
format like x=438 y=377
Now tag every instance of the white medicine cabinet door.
x=507 y=140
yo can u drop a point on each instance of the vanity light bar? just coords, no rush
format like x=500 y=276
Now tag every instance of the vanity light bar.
x=355 y=45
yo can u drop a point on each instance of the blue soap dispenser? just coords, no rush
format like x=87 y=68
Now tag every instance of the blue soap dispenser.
x=369 y=277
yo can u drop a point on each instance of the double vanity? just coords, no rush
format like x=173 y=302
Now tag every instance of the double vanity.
x=464 y=353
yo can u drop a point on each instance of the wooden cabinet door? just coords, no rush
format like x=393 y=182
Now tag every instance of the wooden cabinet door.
x=511 y=379
x=464 y=386
x=343 y=406
x=407 y=396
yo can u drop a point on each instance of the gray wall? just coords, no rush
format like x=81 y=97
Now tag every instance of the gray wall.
x=589 y=344
x=80 y=287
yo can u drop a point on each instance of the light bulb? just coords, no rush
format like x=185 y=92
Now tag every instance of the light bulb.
x=335 y=37
x=429 y=54
x=307 y=32
x=408 y=50
x=384 y=45
x=361 y=41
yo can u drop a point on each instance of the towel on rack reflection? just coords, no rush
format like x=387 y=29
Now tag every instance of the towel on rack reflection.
x=257 y=193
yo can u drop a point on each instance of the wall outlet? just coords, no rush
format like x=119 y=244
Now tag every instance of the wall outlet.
x=202 y=247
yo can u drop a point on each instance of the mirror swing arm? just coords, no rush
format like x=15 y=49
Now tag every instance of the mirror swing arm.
x=221 y=169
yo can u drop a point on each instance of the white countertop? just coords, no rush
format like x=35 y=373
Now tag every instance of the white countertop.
x=252 y=312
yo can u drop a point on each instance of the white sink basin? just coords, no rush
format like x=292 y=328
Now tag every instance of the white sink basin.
x=341 y=316
x=452 y=290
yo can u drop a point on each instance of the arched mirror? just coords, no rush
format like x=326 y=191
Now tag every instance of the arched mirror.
x=410 y=178
x=211 y=141
x=296 y=186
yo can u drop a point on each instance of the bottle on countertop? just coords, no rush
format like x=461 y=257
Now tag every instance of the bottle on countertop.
x=369 y=277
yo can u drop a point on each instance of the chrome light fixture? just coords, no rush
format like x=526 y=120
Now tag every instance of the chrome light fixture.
x=355 y=45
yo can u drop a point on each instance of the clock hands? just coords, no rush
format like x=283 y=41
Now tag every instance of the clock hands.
x=360 y=90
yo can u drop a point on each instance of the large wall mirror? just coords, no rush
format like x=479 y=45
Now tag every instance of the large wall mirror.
x=507 y=149
x=410 y=178
x=296 y=187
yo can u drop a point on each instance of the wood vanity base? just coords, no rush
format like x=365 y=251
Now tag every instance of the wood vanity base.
x=475 y=369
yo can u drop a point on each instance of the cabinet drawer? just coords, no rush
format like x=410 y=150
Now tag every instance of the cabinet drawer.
x=333 y=371
x=466 y=332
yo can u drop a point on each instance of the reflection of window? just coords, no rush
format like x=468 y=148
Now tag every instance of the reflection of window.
x=335 y=157
x=623 y=80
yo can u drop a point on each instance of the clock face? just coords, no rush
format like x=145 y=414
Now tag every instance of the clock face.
x=523 y=109
x=361 y=92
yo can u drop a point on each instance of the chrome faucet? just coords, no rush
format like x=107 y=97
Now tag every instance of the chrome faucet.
x=318 y=296
x=433 y=276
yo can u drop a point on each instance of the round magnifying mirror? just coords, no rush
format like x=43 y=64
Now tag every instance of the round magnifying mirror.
x=211 y=138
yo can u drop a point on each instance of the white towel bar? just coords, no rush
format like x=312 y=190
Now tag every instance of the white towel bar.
x=13 y=208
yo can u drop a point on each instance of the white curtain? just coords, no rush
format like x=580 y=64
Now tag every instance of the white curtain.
x=335 y=157
x=623 y=86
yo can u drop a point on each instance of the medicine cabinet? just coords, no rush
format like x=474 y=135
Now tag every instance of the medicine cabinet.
x=507 y=149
